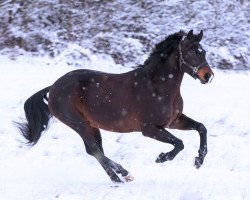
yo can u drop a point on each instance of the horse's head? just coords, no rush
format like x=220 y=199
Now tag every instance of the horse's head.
x=193 y=58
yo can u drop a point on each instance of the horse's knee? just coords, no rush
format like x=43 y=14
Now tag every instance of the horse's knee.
x=201 y=129
x=179 y=144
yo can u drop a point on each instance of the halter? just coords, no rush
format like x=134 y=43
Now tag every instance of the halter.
x=194 y=69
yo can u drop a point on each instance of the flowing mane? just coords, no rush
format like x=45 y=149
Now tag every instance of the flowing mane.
x=163 y=48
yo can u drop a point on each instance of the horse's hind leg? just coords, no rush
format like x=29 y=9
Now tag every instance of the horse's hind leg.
x=115 y=166
x=93 y=151
x=93 y=143
x=98 y=138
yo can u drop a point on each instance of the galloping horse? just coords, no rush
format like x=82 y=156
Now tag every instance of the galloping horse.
x=146 y=99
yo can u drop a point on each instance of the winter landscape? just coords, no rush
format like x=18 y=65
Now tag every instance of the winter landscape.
x=58 y=168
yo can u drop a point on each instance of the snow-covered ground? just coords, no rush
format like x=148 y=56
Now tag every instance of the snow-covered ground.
x=59 y=168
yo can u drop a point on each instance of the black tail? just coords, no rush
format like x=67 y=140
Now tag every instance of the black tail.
x=37 y=115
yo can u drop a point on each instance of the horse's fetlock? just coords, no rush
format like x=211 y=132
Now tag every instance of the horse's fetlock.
x=203 y=152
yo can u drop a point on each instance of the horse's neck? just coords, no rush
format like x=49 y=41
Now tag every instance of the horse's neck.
x=169 y=72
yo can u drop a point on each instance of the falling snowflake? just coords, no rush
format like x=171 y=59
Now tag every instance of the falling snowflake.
x=170 y=76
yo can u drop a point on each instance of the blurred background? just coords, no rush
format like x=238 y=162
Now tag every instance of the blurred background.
x=125 y=30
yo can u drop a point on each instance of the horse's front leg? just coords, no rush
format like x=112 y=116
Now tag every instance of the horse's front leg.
x=160 y=134
x=185 y=123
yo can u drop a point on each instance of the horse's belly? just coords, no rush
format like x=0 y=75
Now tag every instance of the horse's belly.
x=112 y=120
x=118 y=125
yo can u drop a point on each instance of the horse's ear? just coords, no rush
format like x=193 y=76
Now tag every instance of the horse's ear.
x=190 y=35
x=200 y=35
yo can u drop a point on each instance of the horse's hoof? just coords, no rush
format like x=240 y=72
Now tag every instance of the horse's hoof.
x=163 y=157
x=128 y=178
x=160 y=158
x=198 y=162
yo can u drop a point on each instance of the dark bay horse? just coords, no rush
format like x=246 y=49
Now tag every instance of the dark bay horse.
x=146 y=99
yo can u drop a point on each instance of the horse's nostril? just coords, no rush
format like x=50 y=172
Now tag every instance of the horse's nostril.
x=207 y=77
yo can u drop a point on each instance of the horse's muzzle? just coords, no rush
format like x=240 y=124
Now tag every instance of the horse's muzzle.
x=205 y=75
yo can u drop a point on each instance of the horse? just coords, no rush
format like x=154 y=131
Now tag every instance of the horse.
x=146 y=99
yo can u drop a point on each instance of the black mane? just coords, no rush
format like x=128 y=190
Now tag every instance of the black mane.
x=163 y=48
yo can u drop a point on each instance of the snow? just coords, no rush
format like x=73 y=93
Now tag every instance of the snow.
x=58 y=167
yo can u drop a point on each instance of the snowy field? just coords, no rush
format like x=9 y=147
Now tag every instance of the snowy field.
x=58 y=168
